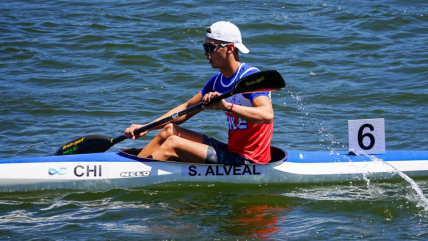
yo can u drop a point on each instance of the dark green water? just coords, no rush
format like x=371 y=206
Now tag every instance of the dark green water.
x=72 y=68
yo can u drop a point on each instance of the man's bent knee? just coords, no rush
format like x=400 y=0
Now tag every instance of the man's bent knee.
x=172 y=141
x=167 y=131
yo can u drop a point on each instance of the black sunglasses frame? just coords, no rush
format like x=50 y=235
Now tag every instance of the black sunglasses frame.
x=211 y=48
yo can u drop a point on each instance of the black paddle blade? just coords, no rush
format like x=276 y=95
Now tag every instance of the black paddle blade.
x=86 y=144
x=266 y=80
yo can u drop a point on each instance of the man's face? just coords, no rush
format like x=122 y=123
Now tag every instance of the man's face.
x=217 y=58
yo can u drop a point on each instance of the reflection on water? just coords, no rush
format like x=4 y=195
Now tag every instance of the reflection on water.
x=200 y=211
x=258 y=220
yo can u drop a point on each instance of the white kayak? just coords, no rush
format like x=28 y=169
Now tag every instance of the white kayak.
x=110 y=170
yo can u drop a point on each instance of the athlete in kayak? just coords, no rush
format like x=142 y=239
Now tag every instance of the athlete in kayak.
x=249 y=116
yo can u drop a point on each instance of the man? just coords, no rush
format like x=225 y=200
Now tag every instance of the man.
x=250 y=116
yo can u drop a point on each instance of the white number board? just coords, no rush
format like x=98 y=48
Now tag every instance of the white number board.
x=367 y=136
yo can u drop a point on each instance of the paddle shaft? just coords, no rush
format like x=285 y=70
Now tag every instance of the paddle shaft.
x=172 y=117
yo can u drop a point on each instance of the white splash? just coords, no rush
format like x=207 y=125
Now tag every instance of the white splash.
x=423 y=201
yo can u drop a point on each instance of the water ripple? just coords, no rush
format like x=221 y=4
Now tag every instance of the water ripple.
x=69 y=69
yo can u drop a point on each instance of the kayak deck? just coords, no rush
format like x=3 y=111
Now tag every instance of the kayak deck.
x=104 y=171
x=277 y=156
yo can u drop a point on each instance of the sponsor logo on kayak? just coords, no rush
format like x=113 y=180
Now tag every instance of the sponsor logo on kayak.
x=88 y=171
x=239 y=170
x=61 y=171
x=135 y=174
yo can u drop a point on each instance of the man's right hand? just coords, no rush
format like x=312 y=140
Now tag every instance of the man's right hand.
x=129 y=132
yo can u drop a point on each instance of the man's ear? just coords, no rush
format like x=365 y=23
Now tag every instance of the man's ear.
x=231 y=47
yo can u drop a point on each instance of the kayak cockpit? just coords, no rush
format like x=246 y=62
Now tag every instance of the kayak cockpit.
x=277 y=154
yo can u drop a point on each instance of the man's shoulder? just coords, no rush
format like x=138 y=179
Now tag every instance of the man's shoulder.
x=247 y=69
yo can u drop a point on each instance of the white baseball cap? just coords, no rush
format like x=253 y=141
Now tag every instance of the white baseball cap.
x=227 y=32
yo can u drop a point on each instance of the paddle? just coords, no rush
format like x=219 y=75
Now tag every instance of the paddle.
x=267 y=80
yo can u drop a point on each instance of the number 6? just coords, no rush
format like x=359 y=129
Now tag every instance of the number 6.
x=369 y=135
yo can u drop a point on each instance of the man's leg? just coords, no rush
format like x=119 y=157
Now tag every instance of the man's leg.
x=178 y=148
x=168 y=131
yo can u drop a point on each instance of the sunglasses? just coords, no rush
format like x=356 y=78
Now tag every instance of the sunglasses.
x=210 y=48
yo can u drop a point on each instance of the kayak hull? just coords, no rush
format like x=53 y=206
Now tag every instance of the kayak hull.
x=111 y=170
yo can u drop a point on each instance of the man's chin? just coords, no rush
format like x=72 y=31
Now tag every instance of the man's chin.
x=213 y=65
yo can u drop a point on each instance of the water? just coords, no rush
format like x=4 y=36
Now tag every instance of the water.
x=73 y=68
x=423 y=201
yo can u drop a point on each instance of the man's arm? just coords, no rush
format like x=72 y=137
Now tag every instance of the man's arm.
x=129 y=132
x=261 y=111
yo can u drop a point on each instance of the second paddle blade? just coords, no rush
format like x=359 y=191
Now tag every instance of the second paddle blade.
x=266 y=80
x=84 y=145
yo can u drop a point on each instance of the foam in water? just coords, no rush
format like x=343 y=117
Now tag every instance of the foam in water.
x=422 y=202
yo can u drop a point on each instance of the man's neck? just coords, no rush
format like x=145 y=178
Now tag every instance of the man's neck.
x=230 y=69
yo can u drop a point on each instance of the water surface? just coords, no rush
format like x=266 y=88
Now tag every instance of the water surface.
x=73 y=68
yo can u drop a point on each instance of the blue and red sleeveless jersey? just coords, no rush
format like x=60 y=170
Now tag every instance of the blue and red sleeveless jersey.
x=252 y=141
